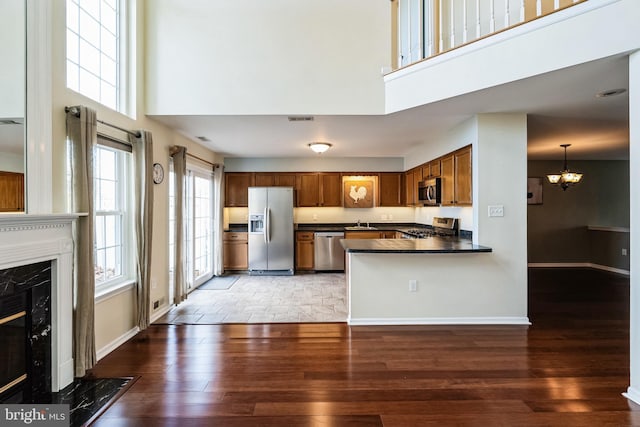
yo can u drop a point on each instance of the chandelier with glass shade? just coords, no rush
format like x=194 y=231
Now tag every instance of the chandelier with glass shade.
x=565 y=178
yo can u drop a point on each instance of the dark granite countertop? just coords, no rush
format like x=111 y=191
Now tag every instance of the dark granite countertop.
x=430 y=245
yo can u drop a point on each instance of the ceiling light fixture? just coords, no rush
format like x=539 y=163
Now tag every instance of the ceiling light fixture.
x=319 y=147
x=611 y=92
x=565 y=178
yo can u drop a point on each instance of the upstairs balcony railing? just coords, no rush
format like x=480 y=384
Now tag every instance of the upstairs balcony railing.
x=426 y=28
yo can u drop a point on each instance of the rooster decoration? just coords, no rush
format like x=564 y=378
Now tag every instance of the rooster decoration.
x=358 y=194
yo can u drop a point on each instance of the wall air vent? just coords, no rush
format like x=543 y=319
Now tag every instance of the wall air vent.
x=9 y=122
x=203 y=138
x=300 y=118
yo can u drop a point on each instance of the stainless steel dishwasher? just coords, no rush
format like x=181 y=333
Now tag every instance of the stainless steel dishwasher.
x=328 y=252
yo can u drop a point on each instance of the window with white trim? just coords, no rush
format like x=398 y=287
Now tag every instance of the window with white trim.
x=96 y=51
x=113 y=217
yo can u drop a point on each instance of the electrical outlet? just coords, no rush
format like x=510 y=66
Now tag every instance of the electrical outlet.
x=383 y=217
x=156 y=304
x=624 y=252
x=315 y=217
x=390 y=217
x=154 y=283
x=496 y=210
x=413 y=285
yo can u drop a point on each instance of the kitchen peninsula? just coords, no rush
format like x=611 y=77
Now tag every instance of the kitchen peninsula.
x=423 y=281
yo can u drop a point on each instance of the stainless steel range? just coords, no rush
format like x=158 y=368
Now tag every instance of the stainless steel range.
x=442 y=227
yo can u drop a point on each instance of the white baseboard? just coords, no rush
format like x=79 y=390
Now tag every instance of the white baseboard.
x=116 y=343
x=160 y=312
x=633 y=394
x=578 y=265
x=440 y=321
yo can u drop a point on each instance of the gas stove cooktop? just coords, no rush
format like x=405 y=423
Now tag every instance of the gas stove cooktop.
x=442 y=227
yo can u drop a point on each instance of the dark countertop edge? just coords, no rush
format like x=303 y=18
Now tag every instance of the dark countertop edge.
x=476 y=249
x=396 y=226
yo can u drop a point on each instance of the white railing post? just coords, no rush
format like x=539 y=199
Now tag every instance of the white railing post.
x=507 y=19
x=522 y=10
x=428 y=26
x=556 y=4
x=452 y=38
x=478 y=28
x=538 y=7
x=492 y=18
x=440 y=28
x=464 y=22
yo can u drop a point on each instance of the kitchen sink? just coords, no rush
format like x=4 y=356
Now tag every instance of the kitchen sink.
x=359 y=227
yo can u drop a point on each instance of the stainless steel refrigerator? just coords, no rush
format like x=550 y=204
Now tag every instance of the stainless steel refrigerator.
x=271 y=230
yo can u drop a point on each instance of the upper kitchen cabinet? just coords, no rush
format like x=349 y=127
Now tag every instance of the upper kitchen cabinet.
x=431 y=169
x=412 y=180
x=264 y=179
x=456 y=178
x=319 y=189
x=236 y=185
x=390 y=189
x=308 y=185
x=285 y=180
x=330 y=189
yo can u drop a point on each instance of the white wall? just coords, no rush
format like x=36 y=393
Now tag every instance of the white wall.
x=11 y=162
x=267 y=57
x=12 y=77
x=567 y=39
x=114 y=324
x=320 y=163
x=634 y=168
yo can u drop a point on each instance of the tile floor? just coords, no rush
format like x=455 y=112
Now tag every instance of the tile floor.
x=318 y=297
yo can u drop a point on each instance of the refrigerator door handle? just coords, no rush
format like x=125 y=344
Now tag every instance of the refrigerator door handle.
x=268 y=225
x=265 y=226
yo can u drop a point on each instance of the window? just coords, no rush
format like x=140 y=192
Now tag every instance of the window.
x=95 y=51
x=113 y=222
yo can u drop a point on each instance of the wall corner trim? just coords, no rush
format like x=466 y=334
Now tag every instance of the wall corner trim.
x=633 y=394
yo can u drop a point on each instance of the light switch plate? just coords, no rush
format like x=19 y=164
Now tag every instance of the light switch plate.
x=496 y=210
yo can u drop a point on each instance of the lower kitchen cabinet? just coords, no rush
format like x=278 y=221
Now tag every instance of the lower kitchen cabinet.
x=369 y=234
x=304 y=250
x=235 y=250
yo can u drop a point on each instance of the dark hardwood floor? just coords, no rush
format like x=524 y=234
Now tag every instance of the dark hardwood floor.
x=568 y=369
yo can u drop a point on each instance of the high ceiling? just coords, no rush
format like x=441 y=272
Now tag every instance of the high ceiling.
x=562 y=107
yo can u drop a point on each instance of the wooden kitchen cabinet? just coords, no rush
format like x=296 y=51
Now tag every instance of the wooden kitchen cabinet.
x=362 y=235
x=235 y=249
x=413 y=178
x=463 y=187
x=264 y=179
x=431 y=169
x=11 y=192
x=390 y=186
x=308 y=185
x=330 y=189
x=285 y=180
x=387 y=234
x=456 y=178
x=236 y=185
x=304 y=250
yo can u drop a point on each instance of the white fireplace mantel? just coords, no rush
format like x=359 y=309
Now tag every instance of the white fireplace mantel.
x=27 y=239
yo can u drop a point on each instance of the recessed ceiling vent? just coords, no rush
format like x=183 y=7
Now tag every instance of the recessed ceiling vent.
x=203 y=138
x=300 y=118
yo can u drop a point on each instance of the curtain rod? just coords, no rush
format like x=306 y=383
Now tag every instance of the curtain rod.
x=76 y=113
x=215 y=165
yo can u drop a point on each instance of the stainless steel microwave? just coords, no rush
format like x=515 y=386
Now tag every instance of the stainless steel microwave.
x=430 y=192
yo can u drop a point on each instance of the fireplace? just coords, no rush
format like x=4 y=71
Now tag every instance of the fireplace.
x=36 y=265
x=25 y=333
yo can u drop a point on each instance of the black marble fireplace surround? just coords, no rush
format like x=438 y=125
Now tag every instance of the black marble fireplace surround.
x=26 y=288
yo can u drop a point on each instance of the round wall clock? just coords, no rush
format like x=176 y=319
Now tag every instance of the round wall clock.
x=158 y=173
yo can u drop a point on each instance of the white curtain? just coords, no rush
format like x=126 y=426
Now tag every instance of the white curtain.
x=142 y=149
x=179 y=155
x=218 y=228
x=82 y=135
